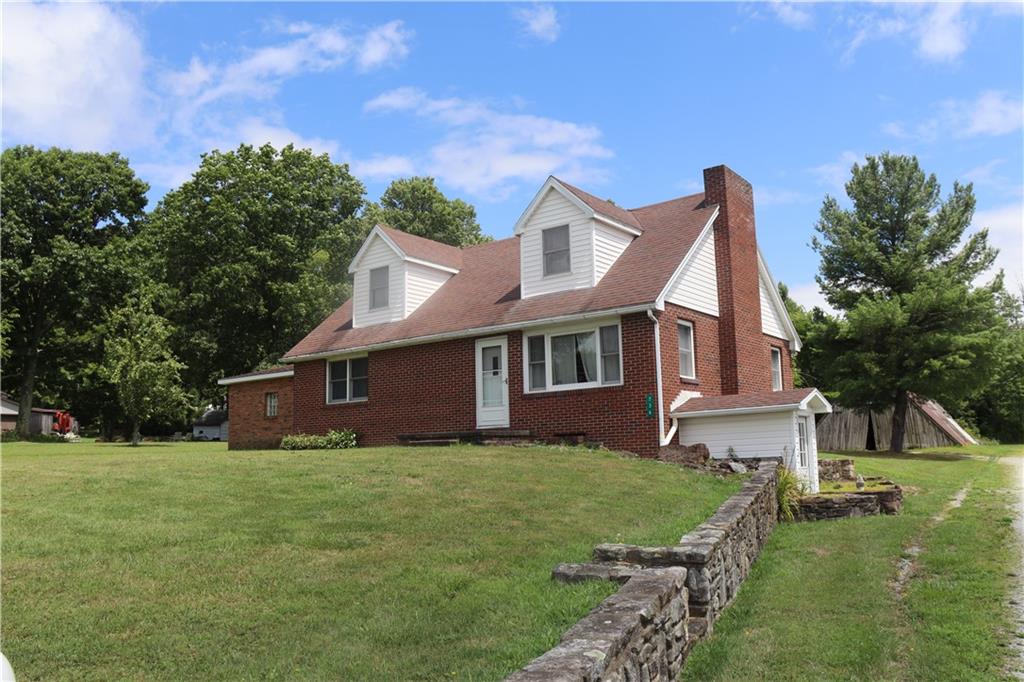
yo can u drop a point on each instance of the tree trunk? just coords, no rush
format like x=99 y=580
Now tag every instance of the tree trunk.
x=135 y=433
x=899 y=422
x=28 y=384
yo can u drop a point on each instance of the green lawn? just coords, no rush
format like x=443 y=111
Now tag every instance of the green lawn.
x=187 y=561
x=819 y=604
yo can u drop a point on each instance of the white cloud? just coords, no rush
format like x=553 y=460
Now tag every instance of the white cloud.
x=792 y=14
x=383 y=167
x=836 y=174
x=939 y=31
x=1005 y=232
x=540 y=22
x=991 y=113
x=809 y=295
x=74 y=76
x=985 y=174
x=384 y=45
x=778 y=196
x=256 y=131
x=488 y=152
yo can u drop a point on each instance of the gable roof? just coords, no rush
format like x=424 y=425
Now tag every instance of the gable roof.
x=781 y=311
x=765 y=401
x=944 y=421
x=412 y=248
x=603 y=207
x=588 y=204
x=485 y=296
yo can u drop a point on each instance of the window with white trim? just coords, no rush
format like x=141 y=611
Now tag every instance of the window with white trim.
x=379 y=288
x=556 y=250
x=581 y=358
x=347 y=380
x=776 y=369
x=271 y=400
x=687 y=360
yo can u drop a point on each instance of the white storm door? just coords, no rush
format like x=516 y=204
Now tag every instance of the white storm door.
x=492 y=382
x=803 y=449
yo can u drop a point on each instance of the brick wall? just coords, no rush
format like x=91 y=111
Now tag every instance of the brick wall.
x=739 y=302
x=705 y=347
x=250 y=427
x=432 y=387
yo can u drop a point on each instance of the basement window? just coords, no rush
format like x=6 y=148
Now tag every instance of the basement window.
x=348 y=380
x=556 y=250
x=776 y=369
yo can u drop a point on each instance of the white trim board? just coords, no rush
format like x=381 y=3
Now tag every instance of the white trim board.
x=228 y=381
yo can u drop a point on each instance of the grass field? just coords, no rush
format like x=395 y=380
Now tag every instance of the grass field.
x=820 y=602
x=187 y=561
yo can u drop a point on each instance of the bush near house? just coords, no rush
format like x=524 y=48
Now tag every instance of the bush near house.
x=334 y=440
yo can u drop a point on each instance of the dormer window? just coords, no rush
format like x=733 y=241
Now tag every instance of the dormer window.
x=379 y=288
x=556 y=250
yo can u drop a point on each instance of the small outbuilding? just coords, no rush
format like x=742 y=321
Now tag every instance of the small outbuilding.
x=8 y=413
x=765 y=425
x=213 y=425
x=928 y=426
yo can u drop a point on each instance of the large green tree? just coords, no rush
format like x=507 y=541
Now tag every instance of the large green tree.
x=253 y=252
x=139 y=363
x=896 y=263
x=415 y=205
x=67 y=218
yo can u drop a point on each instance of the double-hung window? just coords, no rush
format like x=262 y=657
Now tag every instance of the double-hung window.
x=776 y=369
x=271 y=400
x=577 y=359
x=687 y=363
x=379 y=288
x=347 y=380
x=556 y=250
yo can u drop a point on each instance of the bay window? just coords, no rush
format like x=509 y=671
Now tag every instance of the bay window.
x=580 y=358
x=347 y=380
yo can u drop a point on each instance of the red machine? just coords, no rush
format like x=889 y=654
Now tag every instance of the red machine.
x=62 y=422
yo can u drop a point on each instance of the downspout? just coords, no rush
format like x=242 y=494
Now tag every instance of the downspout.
x=663 y=438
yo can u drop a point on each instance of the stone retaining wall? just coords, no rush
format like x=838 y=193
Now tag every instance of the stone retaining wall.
x=670 y=596
x=847 y=505
x=638 y=633
x=836 y=470
x=719 y=552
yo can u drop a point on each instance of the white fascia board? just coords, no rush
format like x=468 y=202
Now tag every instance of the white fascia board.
x=228 y=381
x=476 y=331
x=611 y=222
x=428 y=264
x=815 y=395
x=737 y=410
x=550 y=183
x=376 y=231
x=690 y=255
x=773 y=294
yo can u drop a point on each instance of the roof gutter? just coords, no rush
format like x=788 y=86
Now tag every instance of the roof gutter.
x=245 y=378
x=463 y=333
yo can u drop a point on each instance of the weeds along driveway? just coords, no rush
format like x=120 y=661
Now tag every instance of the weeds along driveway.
x=191 y=562
x=820 y=604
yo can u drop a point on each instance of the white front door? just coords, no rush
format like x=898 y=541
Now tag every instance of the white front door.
x=492 y=382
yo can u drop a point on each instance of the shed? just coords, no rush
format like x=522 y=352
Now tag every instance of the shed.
x=213 y=425
x=8 y=413
x=766 y=425
x=928 y=426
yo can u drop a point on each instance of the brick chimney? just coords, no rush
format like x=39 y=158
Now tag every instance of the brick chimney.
x=744 y=359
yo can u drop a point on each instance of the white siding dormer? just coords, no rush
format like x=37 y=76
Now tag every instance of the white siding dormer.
x=594 y=242
x=420 y=284
x=378 y=255
x=696 y=287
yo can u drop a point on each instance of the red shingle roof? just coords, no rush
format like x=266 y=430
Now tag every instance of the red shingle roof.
x=604 y=207
x=422 y=248
x=942 y=419
x=485 y=292
x=765 y=399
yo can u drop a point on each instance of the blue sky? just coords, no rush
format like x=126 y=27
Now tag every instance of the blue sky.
x=627 y=101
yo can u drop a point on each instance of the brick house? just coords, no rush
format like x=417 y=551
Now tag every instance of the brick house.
x=634 y=328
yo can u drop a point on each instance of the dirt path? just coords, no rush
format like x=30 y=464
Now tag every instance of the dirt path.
x=1017 y=601
x=908 y=562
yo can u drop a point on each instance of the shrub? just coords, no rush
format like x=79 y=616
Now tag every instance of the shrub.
x=334 y=440
x=789 y=492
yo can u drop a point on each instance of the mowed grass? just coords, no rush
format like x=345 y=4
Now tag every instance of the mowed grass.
x=188 y=561
x=820 y=605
